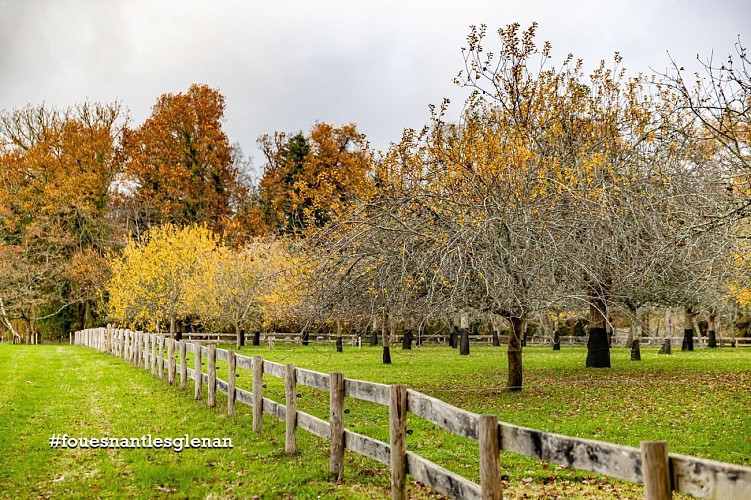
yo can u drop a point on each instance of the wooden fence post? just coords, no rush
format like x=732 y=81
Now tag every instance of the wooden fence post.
x=336 y=420
x=141 y=350
x=655 y=466
x=152 y=359
x=197 y=370
x=109 y=345
x=138 y=349
x=231 y=369
x=398 y=438
x=160 y=359
x=257 y=393
x=132 y=347
x=290 y=401
x=183 y=364
x=171 y=361
x=490 y=472
x=211 y=366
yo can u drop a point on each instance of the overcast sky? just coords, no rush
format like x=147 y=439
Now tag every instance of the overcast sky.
x=282 y=64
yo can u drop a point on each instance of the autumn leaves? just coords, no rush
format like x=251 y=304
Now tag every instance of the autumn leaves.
x=551 y=188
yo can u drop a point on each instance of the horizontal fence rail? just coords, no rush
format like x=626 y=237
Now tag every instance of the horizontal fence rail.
x=661 y=472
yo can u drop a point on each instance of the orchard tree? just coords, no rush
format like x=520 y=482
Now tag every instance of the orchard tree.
x=251 y=287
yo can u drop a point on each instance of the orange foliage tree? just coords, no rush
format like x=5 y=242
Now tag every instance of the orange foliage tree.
x=308 y=180
x=56 y=168
x=179 y=165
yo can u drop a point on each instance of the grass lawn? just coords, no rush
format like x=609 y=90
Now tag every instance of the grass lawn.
x=697 y=401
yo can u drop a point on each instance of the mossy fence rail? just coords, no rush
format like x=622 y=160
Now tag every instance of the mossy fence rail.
x=661 y=472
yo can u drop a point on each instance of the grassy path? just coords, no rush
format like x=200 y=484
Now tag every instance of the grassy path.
x=50 y=390
x=697 y=401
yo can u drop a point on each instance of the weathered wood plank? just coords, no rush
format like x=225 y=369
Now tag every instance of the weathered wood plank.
x=231 y=382
x=656 y=470
x=702 y=478
x=244 y=396
x=490 y=471
x=211 y=379
x=312 y=379
x=314 y=425
x=336 y=419
x=191 y=374
x=183 y=364
x=244 y=361
x=276 y=410
x=453 y=419
x=221 y=354
x=198 y=378
x=623 y=462
x=257 y=393
x=273 y=369
x=367 y=391
x=398 y=440
x=440 y=479
x=290 y=403
x=171 y=361
x=160 y=357
x=367 y=447
x=189 y=347
x=222 y=386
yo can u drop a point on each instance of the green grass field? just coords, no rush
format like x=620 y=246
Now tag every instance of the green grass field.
x=697 y=401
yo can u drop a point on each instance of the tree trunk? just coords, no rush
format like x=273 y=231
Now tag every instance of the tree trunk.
x=495 y=323
x=633 y=334
x=339 y=341
x=688 y=330
x=238 y=336
x=514 y=354
x=374 y=333
x=464 y=336
x=172 y=327
x=556 y=331
x=666 y=346
x=87 y=319
x=81 y=316
x=407 y=339
x=257 y=337
x=711 y=332
x=305 y=337
x=386 y=341
x=8 y=323
x=598 y=346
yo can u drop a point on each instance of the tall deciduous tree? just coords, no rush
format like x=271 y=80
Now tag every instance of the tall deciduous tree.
x=179 y=166
x=308 y=180
x=56 y=167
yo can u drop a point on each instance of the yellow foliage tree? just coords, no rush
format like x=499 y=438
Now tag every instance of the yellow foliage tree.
x=251 y=287
x=159 y=276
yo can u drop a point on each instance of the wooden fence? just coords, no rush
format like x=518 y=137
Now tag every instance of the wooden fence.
x=651 y=464
x=272 y=338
